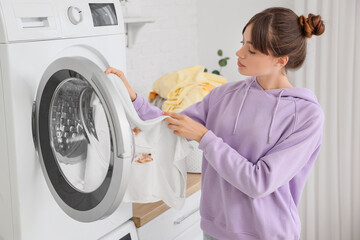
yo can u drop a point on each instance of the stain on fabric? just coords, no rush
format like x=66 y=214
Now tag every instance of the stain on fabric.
x=136 y=131
x=143 y=157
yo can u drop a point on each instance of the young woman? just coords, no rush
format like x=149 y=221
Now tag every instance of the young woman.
x=260 y=136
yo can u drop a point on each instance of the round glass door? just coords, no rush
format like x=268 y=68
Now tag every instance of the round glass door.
x=83 y=139
x=80 y=134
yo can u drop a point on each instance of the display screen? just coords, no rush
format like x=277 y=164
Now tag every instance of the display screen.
x=103 y=14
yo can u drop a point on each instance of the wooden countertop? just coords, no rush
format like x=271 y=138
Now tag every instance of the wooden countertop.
x=144 y=212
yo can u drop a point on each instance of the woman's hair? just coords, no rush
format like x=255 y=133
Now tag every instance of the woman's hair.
x=280 y=32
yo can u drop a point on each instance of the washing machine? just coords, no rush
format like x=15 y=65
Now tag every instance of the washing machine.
x=66 y=146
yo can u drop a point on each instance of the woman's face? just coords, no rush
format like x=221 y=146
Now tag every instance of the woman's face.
x=252 y=62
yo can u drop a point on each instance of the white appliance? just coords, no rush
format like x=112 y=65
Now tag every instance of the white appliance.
x=65 y=143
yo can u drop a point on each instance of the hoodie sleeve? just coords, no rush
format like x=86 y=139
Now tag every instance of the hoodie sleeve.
x=277 y=167
x=198 y=111
x=145 y=110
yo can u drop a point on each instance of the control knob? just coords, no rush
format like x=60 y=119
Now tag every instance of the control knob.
x=74 y=15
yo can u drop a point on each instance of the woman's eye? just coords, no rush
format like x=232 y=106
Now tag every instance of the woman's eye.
x=251 y=52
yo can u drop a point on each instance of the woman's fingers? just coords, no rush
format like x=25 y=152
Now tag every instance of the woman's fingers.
x=115 y=71
x=111 y=70
x=173 y=115
x=121 y=75
x=174 y=122
x=184 y=126
x=172 y=126
x=171 y=121
x=107 y=71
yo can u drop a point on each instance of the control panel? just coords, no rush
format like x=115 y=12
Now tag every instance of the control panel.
x=51 y=19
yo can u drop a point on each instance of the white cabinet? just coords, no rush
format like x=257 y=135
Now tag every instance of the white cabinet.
x=174 y=224
x=193 y=233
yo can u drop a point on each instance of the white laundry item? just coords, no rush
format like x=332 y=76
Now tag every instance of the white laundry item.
x=98 y=152
x=158 y=171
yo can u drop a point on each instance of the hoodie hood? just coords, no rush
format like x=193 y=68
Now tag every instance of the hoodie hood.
x=302 y=93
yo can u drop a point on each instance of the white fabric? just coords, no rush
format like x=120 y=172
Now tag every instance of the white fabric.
x=164 y=178
x=98 y=152
x=330 y=205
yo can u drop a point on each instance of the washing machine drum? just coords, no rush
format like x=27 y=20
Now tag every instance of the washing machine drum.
x=83 y=139
x=80 y=134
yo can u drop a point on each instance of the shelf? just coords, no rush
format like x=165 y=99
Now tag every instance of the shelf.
x=145 y=212
x=138 y=20
x=132 y=27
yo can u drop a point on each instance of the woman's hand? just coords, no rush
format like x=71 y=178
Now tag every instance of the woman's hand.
x=121 y=75
x=184 y=126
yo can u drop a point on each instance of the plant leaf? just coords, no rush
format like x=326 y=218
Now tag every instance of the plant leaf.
x=223 y=62
x=216 y=72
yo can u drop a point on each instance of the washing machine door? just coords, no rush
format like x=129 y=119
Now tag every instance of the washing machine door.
x=83 y=139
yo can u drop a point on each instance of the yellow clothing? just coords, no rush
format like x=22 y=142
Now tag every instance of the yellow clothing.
x=185 y=87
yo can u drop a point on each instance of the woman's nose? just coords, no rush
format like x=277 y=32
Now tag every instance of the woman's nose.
x=240 y=53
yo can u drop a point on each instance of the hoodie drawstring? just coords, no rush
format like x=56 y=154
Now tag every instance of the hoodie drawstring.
x=274 y=113
x=241 y=105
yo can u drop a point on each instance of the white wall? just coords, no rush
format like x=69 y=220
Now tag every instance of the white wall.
x=167 y=45
x=189 y=32
x=220 y=26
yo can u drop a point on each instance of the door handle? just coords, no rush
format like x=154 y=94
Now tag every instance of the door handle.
x=181 y=219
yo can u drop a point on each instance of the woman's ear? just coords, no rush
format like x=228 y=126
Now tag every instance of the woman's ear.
x=281 y=61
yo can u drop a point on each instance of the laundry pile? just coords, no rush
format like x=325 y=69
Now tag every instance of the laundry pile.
x=180 y=89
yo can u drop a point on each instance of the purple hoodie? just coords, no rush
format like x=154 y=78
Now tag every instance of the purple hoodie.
x=258 y=153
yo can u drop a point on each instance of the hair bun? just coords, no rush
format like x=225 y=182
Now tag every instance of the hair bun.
x=312 y=25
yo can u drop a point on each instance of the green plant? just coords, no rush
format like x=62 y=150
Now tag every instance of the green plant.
x=222 y=63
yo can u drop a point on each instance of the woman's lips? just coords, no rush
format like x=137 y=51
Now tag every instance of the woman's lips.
x=240 y=65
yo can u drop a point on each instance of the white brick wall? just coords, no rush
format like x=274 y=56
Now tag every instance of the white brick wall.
x=169 y=44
